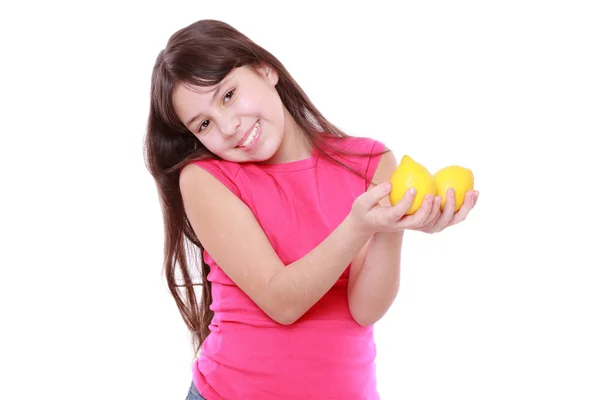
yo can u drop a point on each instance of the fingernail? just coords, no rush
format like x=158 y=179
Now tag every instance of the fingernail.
x=412 y=191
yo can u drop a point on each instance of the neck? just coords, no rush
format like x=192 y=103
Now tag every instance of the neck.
x=294 y=145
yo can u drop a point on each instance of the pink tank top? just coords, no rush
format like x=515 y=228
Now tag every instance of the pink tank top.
x=325 y=354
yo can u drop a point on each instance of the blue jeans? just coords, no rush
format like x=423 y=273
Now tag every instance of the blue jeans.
x=193 y=394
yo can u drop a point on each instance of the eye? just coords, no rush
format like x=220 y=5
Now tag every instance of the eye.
x=228 y=95
x=203 y=125
x=226 y=98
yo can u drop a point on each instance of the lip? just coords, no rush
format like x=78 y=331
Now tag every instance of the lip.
x=247 y=134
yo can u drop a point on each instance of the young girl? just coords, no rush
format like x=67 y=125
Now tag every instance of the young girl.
x=285 y=217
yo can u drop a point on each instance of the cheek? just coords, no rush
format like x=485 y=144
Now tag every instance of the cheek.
x=247 y=105
x=273 y=108
x=262 y=102
x=212 y=143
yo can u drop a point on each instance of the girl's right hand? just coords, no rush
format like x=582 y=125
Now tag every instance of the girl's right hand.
x=371 y=217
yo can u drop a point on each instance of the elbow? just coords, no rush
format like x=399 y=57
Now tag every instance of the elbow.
x=364 y=320
x=362 y=317
x=284 y=318
x=367 y=310
x=280 y=306
x=284 y=315
x=366 y=314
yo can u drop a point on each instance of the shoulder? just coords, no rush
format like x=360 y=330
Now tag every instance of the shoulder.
x=355 y=144
x=210 y=172
x=385 y=167
x=370 y=156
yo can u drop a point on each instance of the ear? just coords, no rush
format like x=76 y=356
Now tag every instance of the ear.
x=268 y=73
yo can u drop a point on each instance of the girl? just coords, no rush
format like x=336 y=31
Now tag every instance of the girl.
x=285 y=216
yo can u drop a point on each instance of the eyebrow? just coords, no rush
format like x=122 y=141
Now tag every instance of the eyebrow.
x=217 y=90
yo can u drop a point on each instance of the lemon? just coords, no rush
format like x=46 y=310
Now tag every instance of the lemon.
x=456 y=177
x=410 y=174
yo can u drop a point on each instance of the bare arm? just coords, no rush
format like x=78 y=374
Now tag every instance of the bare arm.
x=375 y=273
x=375 y=278
x=244 y=253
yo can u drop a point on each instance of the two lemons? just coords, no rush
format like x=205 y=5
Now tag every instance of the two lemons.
x=411 y=174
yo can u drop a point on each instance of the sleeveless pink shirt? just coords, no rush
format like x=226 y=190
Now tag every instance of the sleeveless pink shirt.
x=325 y=354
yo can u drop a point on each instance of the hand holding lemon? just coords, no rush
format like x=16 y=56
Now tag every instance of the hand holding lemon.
x=455 y=177
x=410 y=174
x=452 y=186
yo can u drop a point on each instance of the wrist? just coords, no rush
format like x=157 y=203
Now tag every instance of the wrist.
x=389 y=235
x=388 y=239
x=355 y=229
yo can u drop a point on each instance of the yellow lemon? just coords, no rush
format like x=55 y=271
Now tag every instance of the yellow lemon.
x=410 y=174
x=456 y=177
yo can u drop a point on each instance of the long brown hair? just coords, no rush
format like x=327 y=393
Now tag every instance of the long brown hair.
x=202 y=54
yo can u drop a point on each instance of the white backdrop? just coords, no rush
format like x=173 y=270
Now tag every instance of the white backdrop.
x=503 y=306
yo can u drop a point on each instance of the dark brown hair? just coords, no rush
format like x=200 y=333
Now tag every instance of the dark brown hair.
x=202 y=54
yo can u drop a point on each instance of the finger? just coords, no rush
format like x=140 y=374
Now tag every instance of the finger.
x=418 y=218
x=372 y=197
x=461 y=215
x=448 y=212
x=400 y=209
x=431 y=226
x=435 y=211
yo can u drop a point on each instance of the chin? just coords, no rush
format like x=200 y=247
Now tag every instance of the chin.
x=268 y=151
x=261 y=156
x=264 y=151
x=261 y=153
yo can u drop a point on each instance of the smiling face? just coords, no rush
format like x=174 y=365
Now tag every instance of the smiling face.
x=241 y=119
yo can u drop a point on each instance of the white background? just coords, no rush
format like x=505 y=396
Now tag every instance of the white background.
x=503 y=306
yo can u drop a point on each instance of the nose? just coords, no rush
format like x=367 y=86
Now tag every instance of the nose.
x=228 y=124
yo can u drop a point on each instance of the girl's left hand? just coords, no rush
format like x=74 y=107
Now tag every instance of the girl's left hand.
x=438 y=221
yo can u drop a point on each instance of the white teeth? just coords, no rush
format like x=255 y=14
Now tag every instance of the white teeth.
x=251 y=136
